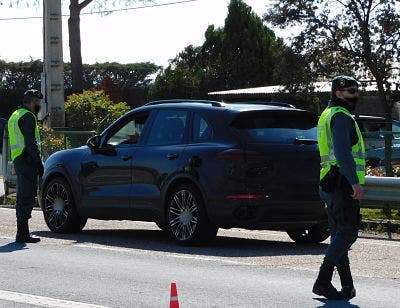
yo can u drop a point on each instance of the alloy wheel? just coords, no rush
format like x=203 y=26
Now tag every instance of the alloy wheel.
x=183 y=215
x=56 y=205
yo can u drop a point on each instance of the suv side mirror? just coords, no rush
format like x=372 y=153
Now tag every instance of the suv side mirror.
x=94 y=142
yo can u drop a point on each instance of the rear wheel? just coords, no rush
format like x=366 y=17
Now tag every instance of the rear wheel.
x=59 y=209
x=187 y=220
x=314 y=234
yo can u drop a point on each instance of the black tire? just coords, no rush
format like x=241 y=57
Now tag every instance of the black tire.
x=314 y=234
x=59 y=208
x=186 y=217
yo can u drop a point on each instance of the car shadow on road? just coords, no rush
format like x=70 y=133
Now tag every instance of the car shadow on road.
x=335 y=304
x=157 y=240
x=11 y=247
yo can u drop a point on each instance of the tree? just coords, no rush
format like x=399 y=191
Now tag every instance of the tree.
x=184 y=77
x=131 y=81
x=92 y=110
x=75 y=8
x=131 y=75
x=23 y=75
x=248 y=48
x=358 y=37
x=243 y=53
x=110 y=88
x=20 y=75
x=125 y=76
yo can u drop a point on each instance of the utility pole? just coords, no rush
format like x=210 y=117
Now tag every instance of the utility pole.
x=53 y=111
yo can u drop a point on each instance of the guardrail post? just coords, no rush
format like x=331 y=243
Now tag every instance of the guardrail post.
x=389 y=214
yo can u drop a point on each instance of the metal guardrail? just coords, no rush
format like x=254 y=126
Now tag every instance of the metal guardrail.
x=382 y=193
x=381 y=190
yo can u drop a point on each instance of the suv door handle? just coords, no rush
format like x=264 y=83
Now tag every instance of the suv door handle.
x=172 y=156
x=126 y=157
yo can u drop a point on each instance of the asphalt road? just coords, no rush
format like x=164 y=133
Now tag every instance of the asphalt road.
x=128 y=264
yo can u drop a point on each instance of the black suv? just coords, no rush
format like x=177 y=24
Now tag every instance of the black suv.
x=193 y=167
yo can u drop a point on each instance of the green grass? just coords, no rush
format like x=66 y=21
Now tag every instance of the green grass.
x=372 y=214
x=9 y=200
x=379 y=214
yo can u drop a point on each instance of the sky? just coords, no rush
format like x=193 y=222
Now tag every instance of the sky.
x=154 y=34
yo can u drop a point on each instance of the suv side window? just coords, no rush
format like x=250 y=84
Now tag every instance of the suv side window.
x=129 y=132
x=202 y=130
x=168 y=127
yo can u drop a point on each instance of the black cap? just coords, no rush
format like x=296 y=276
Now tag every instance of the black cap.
x=343 y=82
x=33 y=93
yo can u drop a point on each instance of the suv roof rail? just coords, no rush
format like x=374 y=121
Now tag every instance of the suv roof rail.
x=278 y=104
x=182 y=101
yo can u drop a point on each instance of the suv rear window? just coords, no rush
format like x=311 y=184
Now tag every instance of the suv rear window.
x=277 y=126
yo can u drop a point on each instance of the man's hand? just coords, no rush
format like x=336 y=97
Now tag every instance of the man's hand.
x=358 y=191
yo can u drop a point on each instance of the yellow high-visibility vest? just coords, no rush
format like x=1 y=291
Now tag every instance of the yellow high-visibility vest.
x=17 y=139
x=325 y=144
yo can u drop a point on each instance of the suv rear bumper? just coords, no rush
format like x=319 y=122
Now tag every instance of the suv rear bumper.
x=266 y=214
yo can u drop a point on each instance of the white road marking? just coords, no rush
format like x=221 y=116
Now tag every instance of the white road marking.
x=42 y=301
x=164 y=254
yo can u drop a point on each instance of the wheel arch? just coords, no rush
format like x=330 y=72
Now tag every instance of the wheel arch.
x=180 y=180
x=59 y=171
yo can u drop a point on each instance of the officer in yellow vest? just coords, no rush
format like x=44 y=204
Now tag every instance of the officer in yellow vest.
x=342 y=152
x=25 y=148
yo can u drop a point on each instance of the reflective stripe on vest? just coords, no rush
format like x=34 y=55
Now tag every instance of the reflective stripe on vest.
x=325 y=144
x=17 y=139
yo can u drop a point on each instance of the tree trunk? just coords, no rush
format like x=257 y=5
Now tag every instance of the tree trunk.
x=75 y=47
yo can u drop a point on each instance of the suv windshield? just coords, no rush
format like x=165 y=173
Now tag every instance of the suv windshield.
x=277 y=126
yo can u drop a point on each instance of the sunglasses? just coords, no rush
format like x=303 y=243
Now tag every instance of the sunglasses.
x=351 y=90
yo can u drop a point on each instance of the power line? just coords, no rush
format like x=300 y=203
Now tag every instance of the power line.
x=107 y=11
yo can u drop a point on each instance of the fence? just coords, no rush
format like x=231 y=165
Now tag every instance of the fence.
x=75 y=138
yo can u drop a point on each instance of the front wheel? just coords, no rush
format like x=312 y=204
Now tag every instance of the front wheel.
x=59 y=209
x=314 y=234
x=187 y=220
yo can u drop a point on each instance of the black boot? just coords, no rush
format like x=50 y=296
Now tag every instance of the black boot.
x=23 y=235
x=323 y=285
x=346 y=279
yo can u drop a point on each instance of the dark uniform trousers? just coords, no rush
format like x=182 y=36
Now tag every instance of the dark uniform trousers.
x=27 y=179
x=344 y=221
